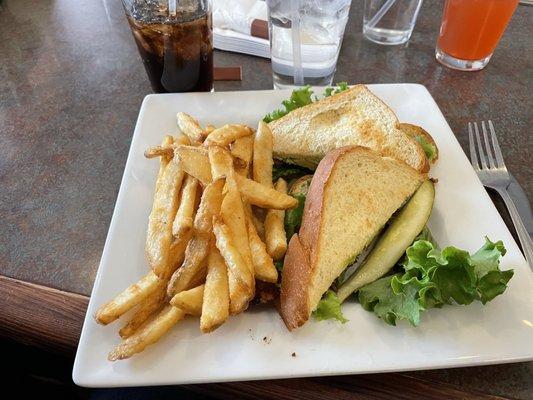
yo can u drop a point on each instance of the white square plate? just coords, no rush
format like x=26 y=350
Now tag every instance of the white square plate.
x=453 y=336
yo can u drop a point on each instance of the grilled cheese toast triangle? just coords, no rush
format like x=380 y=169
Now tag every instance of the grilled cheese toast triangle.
x=353 y=194
x=353 y=117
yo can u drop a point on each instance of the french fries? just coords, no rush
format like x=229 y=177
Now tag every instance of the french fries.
x=215 y=306
x=190 y=300
x=227 y=134
x=184 y=216
x=233 y=215
x=205 y=246
x=128 y=299
x=241 y=151
x=221 y=162
x=239 y=294
x=262 y=155
x=164 y=160
x=264 y=268
x=159 y=235
x=190 y=127
x=148 y=334
x=198 y=246
x=275 y=238
x=148 y=308
x=195 y=162
x=181 y=139
x=258 y=219
x=159 y=151
x=177 y=252
x=234 y=260
x=264 y=196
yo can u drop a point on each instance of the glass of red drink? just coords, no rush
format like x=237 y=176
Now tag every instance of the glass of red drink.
x=176 y=45
x=471 y=30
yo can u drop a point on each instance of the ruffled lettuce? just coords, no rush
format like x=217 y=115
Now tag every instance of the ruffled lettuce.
x=329 y=308
x=302 y=97
x=433 y=278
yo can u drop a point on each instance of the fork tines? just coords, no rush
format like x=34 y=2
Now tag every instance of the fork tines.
x=492 y=153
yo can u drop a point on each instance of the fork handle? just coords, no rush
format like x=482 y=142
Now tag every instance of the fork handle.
x=523 y=234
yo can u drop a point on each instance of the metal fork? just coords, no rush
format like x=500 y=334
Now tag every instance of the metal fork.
x=493 y=173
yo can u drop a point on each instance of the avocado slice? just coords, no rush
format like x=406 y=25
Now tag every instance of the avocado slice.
x=398 y=236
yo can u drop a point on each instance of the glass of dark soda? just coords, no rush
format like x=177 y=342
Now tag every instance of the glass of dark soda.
x=175 y=42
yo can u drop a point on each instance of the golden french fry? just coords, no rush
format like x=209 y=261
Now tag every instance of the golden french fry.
x=215 y=306
x=198 y=246
x=193 y=262
x=233 y=215
x=209 y=206
x=181 y=139
x=195 y=162
x=227 y=134
x=241 y=151
x=128 y=299
x=184 y=216
x=239 y=295
x=159 y=234
x=159 y=151
x=275 y=238
x=190 y=127
x=221 y=162
x=264 y=196
x=258 y=219
x=262 y=156
x=209 y=128
x=148 y=308
x=199 y=277
x=177 y=252
x=225 y=243
x=148 y=334
x=190 y=300
x=264 y=268
x=163 y=161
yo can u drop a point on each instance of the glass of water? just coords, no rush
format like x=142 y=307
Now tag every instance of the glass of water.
x=305 y=39
x=390 y=21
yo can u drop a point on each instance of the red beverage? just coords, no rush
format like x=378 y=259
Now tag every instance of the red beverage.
x=177 y=51
x=471 y=30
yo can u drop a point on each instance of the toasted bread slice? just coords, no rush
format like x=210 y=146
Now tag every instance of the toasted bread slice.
x=353 y=117
x=418 y=133
x=353 y=194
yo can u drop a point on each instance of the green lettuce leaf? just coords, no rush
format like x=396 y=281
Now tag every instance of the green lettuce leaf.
x=299 y=98
x=341 y=87
x=381 y=298
x=329 y=308
x=293 y=217
x=302 y=97
x=433 y=278
x=429 y=148
x=491 y=281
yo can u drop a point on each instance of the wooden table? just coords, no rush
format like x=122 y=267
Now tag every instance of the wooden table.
x=71 y=83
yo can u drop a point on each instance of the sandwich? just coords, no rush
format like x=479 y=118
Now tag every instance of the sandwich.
x=354 y=116
x=364 y=199
x=353 y=194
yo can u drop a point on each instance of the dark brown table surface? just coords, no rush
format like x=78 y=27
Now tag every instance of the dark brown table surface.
x=71 y=83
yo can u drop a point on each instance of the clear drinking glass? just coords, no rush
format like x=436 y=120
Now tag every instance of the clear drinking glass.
x=305 y=39
x=390 y=21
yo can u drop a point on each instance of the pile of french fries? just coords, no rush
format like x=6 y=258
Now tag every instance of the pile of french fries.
x=206 y=245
